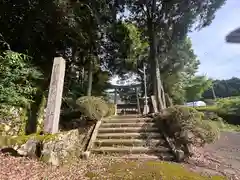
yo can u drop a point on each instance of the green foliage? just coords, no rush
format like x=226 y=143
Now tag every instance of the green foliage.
x=224 y=88
x=18 y=79
x=180 y=66
x=186 y=126
x=196 y=87
x=92 y=107
x=127 y=48
x=138 y=46
x=223 y=126
x=218 y=115
x=229 y=106
x=74 y=30
x=94 y=42
x=161 y=33
x=207 y=109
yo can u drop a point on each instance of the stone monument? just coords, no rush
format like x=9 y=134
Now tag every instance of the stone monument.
x=51 y=122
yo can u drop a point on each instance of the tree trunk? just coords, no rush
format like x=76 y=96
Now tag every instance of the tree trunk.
x=90 y=77
x=152 y=57
x=163 y=94
x=82 y=77
x=155 y=67
x=114 y=10
x=169 y=102
x=33 y=109
x=160 y=93
x=70 y=71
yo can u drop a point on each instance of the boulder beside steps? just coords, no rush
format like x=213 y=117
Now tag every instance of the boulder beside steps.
x=131 y=137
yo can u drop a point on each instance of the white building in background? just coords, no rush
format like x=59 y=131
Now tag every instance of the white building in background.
x=195 y=104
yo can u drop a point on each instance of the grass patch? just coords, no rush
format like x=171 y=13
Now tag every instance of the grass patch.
x=217 y=112
x=208 y=109
x=148 y=170
x=223 y=126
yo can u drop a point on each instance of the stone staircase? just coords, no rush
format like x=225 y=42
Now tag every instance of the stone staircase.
x=131 y=137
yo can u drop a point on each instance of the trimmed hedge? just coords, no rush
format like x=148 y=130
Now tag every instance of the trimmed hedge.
x=187 y=127
x=225 y=108
x=230 y=106
x=208 y=109
x=92 y=107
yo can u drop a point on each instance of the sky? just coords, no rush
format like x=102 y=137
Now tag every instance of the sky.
x=219 y=60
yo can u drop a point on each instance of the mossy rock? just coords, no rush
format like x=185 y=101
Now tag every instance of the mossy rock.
x=22 y=139
x=12 y=120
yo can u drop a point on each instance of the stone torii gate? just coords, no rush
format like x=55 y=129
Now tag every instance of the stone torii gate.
x=122 y=104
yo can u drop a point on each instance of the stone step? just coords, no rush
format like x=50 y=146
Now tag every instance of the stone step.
x=156 y=157
x=127 y=116
x=129 y=142
x=127 y=120
x=127 y=129
x=167 y=156
x=130 y=150
x=139 y=124
x=149 y=135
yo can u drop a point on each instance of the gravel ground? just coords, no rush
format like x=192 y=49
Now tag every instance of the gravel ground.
x=222 y=157
x=21 y=168
x=227 y=147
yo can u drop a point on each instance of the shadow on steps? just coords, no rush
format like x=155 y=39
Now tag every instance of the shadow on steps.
x=156 y=143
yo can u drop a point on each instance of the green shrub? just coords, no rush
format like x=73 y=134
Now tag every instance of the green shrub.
x=229 y=106
x=210 y=113
x=208 y=109
x=93 y=107
x=19 y=79
x=186 y=126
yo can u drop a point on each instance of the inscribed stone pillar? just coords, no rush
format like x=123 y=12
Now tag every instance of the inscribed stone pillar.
x=51 y=122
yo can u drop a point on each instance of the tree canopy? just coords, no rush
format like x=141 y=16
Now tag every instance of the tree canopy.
x=196 y=87
x=98 y=42
x=224 y=88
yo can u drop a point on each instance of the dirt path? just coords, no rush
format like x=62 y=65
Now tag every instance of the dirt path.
x=228 y=147
x=222 y=157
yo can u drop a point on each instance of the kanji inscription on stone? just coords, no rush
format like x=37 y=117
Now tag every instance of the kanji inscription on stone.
x=51 y=123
